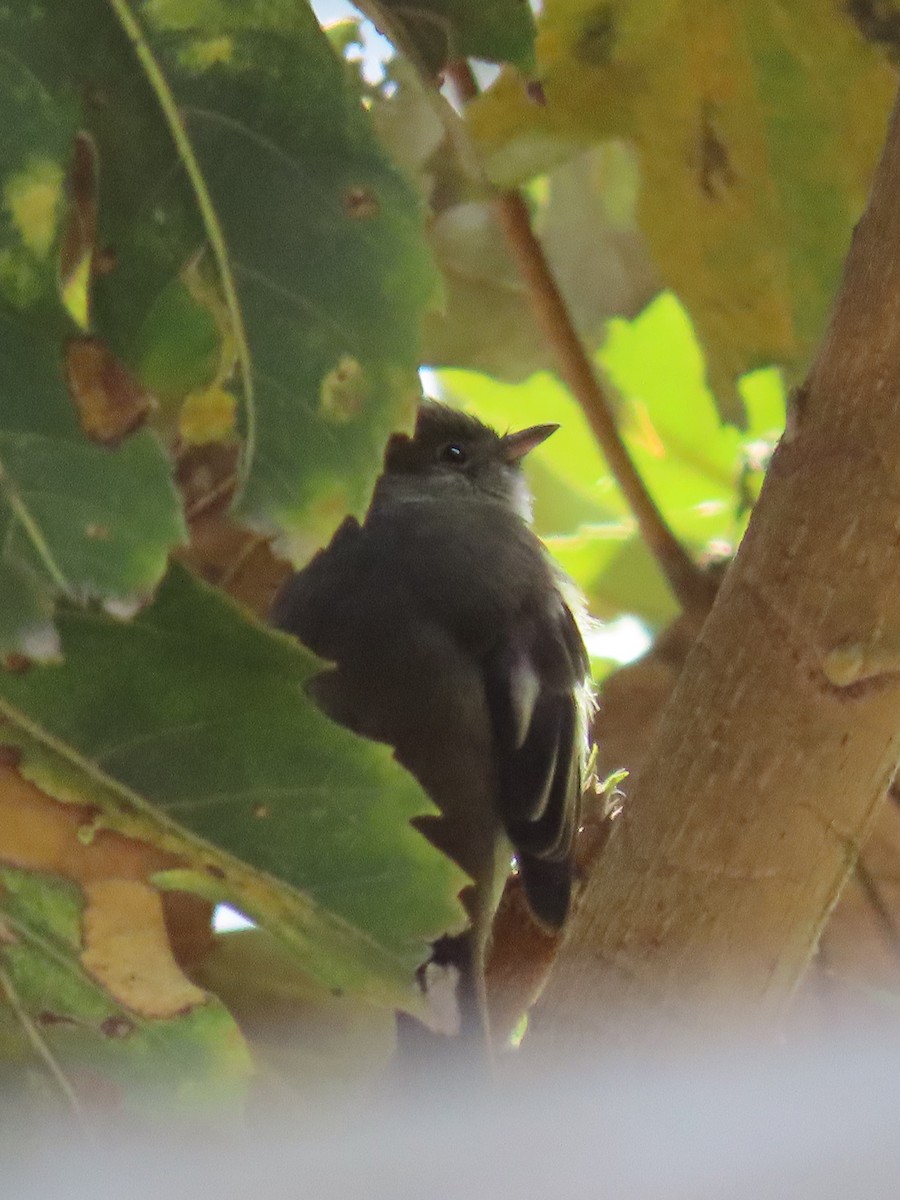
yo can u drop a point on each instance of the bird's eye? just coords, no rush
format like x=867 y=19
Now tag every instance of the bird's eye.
x=453 y=454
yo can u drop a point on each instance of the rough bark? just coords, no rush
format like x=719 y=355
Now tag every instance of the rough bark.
x=783 y=733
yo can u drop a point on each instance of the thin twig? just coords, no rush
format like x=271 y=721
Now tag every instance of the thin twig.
x=691 y=586
x=41 y=1048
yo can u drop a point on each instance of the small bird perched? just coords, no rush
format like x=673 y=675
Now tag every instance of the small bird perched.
x=454 y=640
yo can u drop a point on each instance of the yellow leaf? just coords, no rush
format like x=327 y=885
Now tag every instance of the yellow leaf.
x=126 y=949
x=33 y=198
x=756 y=127
x=207 y=415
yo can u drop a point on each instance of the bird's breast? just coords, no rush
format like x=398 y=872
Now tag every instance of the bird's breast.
x=467 y=566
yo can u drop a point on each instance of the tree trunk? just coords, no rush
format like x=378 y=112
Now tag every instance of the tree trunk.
x=783 y=732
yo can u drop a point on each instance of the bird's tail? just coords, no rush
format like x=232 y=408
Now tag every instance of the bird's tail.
x=548 y=887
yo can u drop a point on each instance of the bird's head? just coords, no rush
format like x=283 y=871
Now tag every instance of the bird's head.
x=453 y=454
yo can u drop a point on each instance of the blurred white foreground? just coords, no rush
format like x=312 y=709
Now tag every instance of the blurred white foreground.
x=805 y=1118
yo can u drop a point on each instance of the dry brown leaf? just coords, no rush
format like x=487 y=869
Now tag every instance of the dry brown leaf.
x=110 y=401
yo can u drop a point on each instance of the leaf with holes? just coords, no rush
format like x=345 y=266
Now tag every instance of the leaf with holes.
x=188 y=728
x=246 y=226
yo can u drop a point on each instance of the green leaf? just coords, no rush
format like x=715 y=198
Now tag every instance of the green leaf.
x=319 y=230
x=59 y=1022
x=248 y=225
x=434 y=32
x=310 y=228
x=76 y=518
x=691 y=462
x=188 y=727
x=747 y=213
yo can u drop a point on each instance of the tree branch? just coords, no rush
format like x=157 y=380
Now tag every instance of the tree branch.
x=783 y=732
x=691 y=586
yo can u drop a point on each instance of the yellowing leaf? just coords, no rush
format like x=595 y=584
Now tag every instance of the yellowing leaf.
x=33 y=198
x=59 y=1023
x=344 y=391
x=207 y=416
x=757 y=126
x=88 y=975
x=126 y=949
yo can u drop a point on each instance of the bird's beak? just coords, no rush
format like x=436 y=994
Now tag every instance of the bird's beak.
x=517 y=445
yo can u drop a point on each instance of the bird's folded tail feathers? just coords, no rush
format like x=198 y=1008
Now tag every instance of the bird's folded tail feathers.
x=548 y=888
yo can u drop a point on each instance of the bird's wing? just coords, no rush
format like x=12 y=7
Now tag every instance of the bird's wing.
x=535 y=687
x=312 y=605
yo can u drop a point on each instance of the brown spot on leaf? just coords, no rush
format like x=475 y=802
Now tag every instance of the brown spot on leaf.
x=48 y=1019
x=878 y=22
x=534 y=90
x=105 y=261
x=261 y=812
x=596 y=39
x=39 y=833
x=97 y=532
x=361 y=203
x=117 y=1027
x=16 y=664
x=715 y=170
x=110 y=402
x=10 y=756
x=235 y=559
x=207 y=476
x=215 y=871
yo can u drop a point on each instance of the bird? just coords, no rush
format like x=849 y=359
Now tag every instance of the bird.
x=452 y=636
